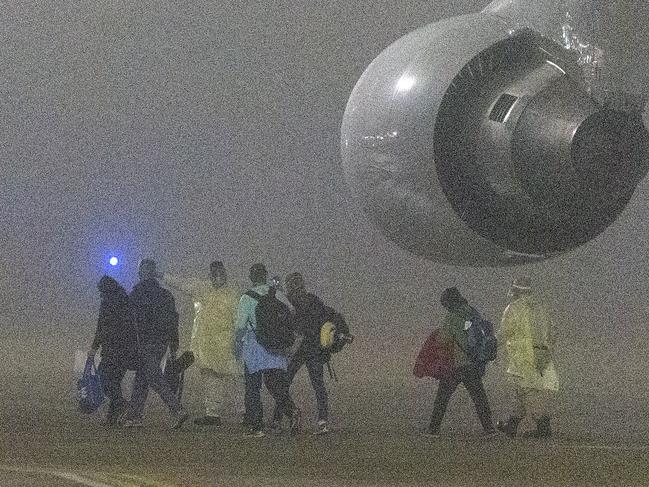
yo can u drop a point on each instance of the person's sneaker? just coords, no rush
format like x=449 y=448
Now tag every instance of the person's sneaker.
x=110 y=421
x=296 y=420
x=322 y=428
x=208 y=421
x=428 y=433
x=132 y=423
x=542 y=431
x=276 y=428
x=123 y=416
x=254 y=433
x=509 y=426
x=179 y=419
x=114 y=417
x=488 y=434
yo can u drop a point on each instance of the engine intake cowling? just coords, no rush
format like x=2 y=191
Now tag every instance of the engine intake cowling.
x=471 y=144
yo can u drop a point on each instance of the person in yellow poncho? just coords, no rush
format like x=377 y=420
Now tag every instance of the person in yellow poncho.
x=213 y=338
x=528 y=335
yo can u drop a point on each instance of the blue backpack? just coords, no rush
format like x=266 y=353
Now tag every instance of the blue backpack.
x=483 y=345
x=89 y=391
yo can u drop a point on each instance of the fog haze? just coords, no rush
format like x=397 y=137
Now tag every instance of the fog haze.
x=198 y=131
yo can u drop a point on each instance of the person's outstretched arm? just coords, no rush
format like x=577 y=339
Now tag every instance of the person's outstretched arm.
x=192 y=286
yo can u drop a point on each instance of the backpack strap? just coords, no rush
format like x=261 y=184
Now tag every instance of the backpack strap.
x=331 y=370
x=181 y=385
x=253 y=295
x=256 y=296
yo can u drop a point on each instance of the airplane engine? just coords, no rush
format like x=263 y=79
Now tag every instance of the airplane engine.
x=470 y=142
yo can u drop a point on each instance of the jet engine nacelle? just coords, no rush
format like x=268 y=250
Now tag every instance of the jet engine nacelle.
x=473 y=142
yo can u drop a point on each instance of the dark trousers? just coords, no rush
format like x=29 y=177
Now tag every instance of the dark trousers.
x=276 y=382
x=112 y=373
x=471 y=378
x=315 y=367
x=149 y=374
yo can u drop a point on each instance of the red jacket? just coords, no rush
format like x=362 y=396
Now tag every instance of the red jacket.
x=435 y=359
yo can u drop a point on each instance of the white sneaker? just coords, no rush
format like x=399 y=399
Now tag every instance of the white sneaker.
x=132 y=423
x=427 y=433
x=253 y=433
x=322 y=428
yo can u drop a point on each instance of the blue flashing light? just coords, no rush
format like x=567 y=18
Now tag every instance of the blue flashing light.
x=113 y=261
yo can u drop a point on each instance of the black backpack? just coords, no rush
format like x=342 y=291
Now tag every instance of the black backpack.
x=274 y=331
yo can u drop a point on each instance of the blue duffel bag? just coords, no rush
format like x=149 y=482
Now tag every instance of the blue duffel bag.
x=89 y=391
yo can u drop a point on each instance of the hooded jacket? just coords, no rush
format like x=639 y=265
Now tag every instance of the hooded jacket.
x=115 y=332
x=453 y=332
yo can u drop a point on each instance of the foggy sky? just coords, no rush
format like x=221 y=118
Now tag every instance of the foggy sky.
x=186 y=133
x=202 y=130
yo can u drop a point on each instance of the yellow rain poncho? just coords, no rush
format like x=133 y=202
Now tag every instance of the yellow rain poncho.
x=213 y=333
x=526 y=327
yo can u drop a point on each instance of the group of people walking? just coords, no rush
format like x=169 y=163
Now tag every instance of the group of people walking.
x=135 y=332
x=527 y=333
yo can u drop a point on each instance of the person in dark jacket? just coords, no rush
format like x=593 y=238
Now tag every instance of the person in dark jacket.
x=310 y=314
x=117 y=339
x=464 y=370
x=153 y=311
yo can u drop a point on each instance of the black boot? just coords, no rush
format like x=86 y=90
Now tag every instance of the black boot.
x=115 y=410
x=542 y=429
x=509 y=427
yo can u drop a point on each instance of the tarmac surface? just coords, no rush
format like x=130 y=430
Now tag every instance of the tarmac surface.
x=66 y=448
x=45 y=441
x=83 y=453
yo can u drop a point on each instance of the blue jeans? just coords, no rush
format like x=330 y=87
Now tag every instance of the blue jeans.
x=149 y=374
x=315 y=367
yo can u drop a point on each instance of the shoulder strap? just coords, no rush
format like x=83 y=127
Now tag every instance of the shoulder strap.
x=253 y=295
x=256 y=297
